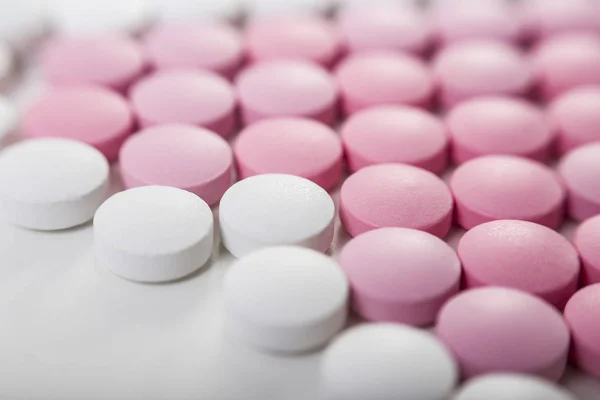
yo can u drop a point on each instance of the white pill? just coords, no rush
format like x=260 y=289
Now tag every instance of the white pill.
x=51 y=184
x=153 y=233
x=9 y=118
x=511 y=387
x=264 y=8
x=276 y=209
x=22 y=22
x=387 y=362
x=7 y=64
x=198 y=10
x=285 y=299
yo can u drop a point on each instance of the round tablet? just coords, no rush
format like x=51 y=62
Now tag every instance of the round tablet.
x=580 y=170
x=505 y=386
x=6 y=64
x=383 y=78
x=474 y=68
x=395 y=134
x=111 y=61
x=586 y=239
x=153 y=233
x=198 y=10
x=9 y=118
x=506 y=187
x=504 y=330
x=181 y=156
x=93 y=115
x=545 y=18
x=51 y=184
x=276 y=209
x=200 y=98
x=267 y=304
x=215 y=46
x=395 y=195
x=287 y=88
x=387 y=362
x=293 y=146
x=499 y=125
x=400 y=275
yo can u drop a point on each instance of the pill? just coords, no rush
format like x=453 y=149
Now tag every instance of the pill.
x=481 y=67
x=275 y=209
x=387 y=362
x=499 y=125
x=24 y=24
x=7 y=65
x=111 y=61
x=586 y=239
x=520 y=255
x=187 y=11
x=383 y=78
x=153 y=233
x=506 y=187
x=51 y=184
x=287 y=88
x=267 y=306
x=93 y=115
x=506 y=386
x=194 y=97
x=9 y=118
x=546 y=18
x=182 y=156
x=400 y=275
x=215 y=46
x=580 y=169
x=264 y=8
x=300 y=37
x=395 y=195
x=295 y=146
x=395 y=134
x=496 y=329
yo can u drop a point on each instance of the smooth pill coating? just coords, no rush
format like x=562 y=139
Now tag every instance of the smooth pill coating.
x=6 y=65
x=25 y=22
x=504 y=330
x=93 y=115
x=153 y=233
x=586 y=239
x=200 y=98
x=395 y=195
x=182 y=156
x=276 y=209
x=506 y=187
x=265 y=8
x=400 y=275
x=267 y=304
x=51 y=184
x=186 y=11
x=9 y=118
x=387 y=362
x=546 y=18
x=580 y=170
x=395 y=134
x=505 y=386
x=294 y=146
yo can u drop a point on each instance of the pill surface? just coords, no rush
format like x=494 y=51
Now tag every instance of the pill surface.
x=51 y=184
x=504 y=386
x=26 y=24
x=182 y=156
x=9 y=118
x=267 y=305
x=6 y=65
x=265 y=8
x=187 y=11
x=504 y=330
x=546 y=18
x=275 y=209
x=586 y=239
x=580 y=170
x=153 y=233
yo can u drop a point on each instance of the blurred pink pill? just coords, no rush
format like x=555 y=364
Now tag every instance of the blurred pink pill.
x=580 y=170
x=294 y=146
x=506 y=187
x=217 y=47
x=476 y=68
x=499 y=125
x=287 y=88
x=395 y=134
x=544 y=18
x=400 y=275
x=520 y=255
x=182 y=156
x=395 y=195
x=504 y=330
x=586 y=239
x=90 y=114
x=383 y=78
x=199 y=98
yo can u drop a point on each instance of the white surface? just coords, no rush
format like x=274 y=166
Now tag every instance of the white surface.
x=22 y=22
x=511 y=387
x=197 y=10
x=6 y=64
x=9 y=118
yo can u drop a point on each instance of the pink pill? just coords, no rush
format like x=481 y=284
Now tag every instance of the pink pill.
x=400 y=275
x=504 y=330
x=580 y=170
x=499 y=125
x=586 y=239
x=395 y=134
x=395 y=195
x=476 y=68
x=217 y=47
x=506 y=187
x=182 y=156
x=294 y=146
x=520 y=255
x=199 y=98
x=545 y=18
x=383 y=78
x=90 y=114
x=287 y=88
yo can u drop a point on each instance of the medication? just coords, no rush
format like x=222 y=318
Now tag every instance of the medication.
x=24 y=23
x=6 y=65
x=586 y=240
x=547 y=18
x=201 y=11
x=580 y=170
x=9 y=118
x=505 y=386
x=268 y=306
x=265 y=8
x=153 y=233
